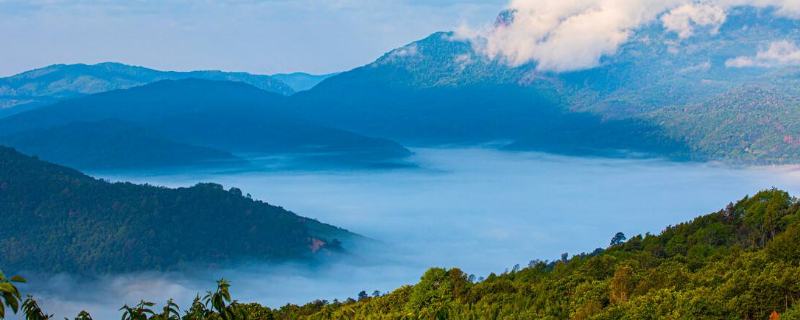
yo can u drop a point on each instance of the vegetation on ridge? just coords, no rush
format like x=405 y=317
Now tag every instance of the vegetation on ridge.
x=76 y=223
x=742 y=262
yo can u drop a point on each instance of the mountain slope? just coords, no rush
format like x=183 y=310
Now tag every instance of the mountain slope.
x=58 y=82
x=113 y=145
x=741 y=262
x=441 y=90
x=56 y=219
x=750 y=124
x=437 y=91
x=228 y=116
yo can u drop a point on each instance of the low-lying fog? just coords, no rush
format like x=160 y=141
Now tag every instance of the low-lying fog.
x=480 y=210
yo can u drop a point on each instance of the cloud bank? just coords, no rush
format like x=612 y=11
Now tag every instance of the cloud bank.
x=779 y=54
x=561 y=36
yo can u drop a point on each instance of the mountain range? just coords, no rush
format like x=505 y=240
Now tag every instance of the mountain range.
x=180 y=122
x=28 y=90
x=56 y=219
x=660 y=94
x=443 y=89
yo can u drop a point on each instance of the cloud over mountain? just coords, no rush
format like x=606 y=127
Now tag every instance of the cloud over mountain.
x=779 y=54
x=562 y=36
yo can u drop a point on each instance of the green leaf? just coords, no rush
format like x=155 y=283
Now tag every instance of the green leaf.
x=18 y=279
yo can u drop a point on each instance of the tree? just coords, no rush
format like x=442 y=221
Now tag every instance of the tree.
x=141 y=311
x=618 y=239
x=9 y=294
x=218 y=299
x=362 y=295
x=32 y=310
x=171 y=311
x=622 y=284
x=376 y=294
x=83 y=315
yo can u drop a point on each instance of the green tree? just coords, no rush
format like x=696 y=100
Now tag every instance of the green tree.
x=141 y=311
x=9 y=293
x=618 y=239
x=32 y=310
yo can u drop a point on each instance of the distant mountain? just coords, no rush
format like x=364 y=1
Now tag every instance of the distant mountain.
x=57 y=82
x=114 y=145
x=429 y=93
x=440 y=90
x=300 y=81
x=56 y=219
x=229 y=116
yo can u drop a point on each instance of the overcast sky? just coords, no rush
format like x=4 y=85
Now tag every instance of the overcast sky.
x=258 y=36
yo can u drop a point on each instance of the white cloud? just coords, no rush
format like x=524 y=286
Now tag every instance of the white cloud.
x=568 y=35
x=682 y=20
x=562 y=36
x=779 y=54
x=405 y=52
x=703 y=67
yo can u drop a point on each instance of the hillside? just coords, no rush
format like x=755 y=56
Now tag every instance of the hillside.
x=114 y=145
x=751 y=124
x=56 y=219
x=24 y=91
x=742 y=262
x=227 y=116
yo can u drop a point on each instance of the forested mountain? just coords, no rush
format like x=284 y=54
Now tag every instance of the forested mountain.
x=742 y=262
x=442 y=90
x=34 y=88
x=56 y=219
x=113 y=145
x=747 y=124
x=229 y=116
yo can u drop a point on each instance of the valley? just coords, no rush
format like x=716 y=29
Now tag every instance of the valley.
x=362 y=160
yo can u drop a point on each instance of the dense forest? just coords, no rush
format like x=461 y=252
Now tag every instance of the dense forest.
x=56 y=219
x=742 y=262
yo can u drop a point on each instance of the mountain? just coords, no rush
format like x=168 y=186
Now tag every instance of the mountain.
x=430 y=93
x=442 y=90
x=56 y=219
x=114 y=145
x=300 y=81
x=742 y=262
x=229 y=116
x=27 y=90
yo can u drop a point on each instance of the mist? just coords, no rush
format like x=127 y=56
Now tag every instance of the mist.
x=477 y=209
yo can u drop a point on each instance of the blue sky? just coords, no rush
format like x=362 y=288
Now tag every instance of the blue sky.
x=259 y=36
